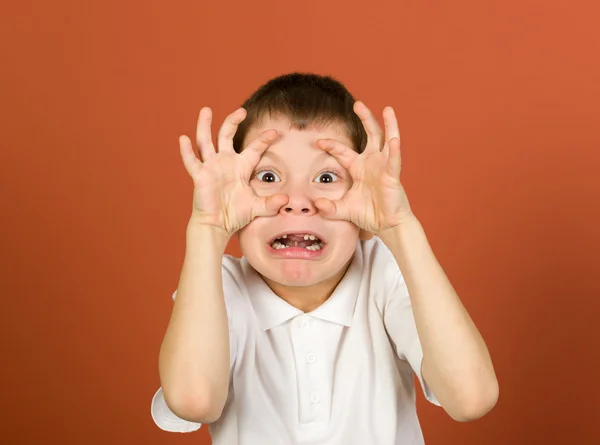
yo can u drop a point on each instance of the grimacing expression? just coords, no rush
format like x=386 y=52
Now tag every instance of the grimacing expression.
x=297 y=246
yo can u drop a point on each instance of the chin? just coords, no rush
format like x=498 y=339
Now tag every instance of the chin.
x=299 y=275
x=298 y=272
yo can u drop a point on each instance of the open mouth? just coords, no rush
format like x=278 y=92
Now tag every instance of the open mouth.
x=308 y=241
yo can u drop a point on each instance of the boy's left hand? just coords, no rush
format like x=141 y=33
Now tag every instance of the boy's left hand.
x=376 y=201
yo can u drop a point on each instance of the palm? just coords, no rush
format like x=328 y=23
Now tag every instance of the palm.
x=373 y=199
x=376 y=201
x=223 y=197
x=222 y=194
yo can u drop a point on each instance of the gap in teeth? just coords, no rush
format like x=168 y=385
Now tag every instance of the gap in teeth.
x=315 y=246
x=306 y=237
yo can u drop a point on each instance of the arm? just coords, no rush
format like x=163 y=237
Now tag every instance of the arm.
x=194 y=360
x=456 y=363
x=194 y=355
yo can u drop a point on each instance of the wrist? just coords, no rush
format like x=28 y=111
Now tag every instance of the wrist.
x=211 y=236
x=396 y=234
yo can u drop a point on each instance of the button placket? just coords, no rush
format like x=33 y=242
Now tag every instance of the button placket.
x=302 y=345
x=307 y=346
x=314 y=398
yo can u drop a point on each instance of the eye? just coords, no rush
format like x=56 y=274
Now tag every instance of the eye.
x=267 y=176
x=327 y=177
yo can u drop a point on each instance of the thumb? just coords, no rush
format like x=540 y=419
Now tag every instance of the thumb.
x=332 y=209
x=268 y=205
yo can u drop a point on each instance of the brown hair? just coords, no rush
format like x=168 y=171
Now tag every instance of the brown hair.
x=305 y=99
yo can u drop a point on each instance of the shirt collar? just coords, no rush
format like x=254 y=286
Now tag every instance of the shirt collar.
x=272 y=310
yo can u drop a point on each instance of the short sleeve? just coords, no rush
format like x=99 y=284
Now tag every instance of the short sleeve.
x=162 y=415
x=166 y=419
x=400 y=324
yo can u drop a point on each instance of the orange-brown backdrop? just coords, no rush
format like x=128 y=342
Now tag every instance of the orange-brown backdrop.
x=498 y=109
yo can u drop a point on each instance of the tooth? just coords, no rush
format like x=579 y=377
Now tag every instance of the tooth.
x=284 y=236
x=312 y=237
x=305 y=237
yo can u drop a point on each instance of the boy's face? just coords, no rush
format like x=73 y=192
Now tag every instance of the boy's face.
x=295 y=166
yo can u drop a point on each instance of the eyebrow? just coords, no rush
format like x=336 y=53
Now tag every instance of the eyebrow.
x=276 y=157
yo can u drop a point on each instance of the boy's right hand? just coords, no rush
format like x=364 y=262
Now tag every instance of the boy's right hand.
x=223 y=198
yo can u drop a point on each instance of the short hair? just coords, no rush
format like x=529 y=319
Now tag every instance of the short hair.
x=306 y=99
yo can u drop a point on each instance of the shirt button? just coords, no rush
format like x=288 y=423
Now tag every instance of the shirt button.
x=311 y=358
x=314 y=398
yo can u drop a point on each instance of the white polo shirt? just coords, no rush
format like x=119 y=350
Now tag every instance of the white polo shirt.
x=342 y=374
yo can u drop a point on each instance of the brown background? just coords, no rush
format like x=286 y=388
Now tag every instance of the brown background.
x=498 y=109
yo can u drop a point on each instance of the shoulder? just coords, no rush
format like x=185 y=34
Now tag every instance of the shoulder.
x=234 y=287
x=233 y=274
x=379 y=262
x=234 y=292
x=235 y=283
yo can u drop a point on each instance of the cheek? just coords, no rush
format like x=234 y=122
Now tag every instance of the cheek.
x=250 y=234
x=347 y=229
x=265 y=188
x=346 y=235
x=332 y=191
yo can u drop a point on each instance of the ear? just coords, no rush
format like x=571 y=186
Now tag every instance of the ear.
x=364 y=235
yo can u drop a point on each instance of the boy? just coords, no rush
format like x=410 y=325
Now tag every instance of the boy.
x=314 y=336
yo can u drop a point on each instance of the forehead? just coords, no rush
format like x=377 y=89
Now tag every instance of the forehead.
x=300 y=138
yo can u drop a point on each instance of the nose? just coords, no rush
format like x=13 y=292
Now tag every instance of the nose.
x=299 y=204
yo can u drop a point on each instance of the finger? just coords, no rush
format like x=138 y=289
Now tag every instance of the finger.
x=268 y=205
x=190 y=161
x=342 y=153
x=391 y=128
x=253 y=152
x=333 y=209
x=394 y=162
x=374 y=133
x=203 y=134
x=228 y=129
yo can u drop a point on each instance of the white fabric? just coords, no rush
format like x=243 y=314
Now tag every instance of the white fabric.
x=342 y=374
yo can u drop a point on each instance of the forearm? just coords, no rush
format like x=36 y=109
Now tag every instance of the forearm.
x=456 y=362
x=194 y=355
